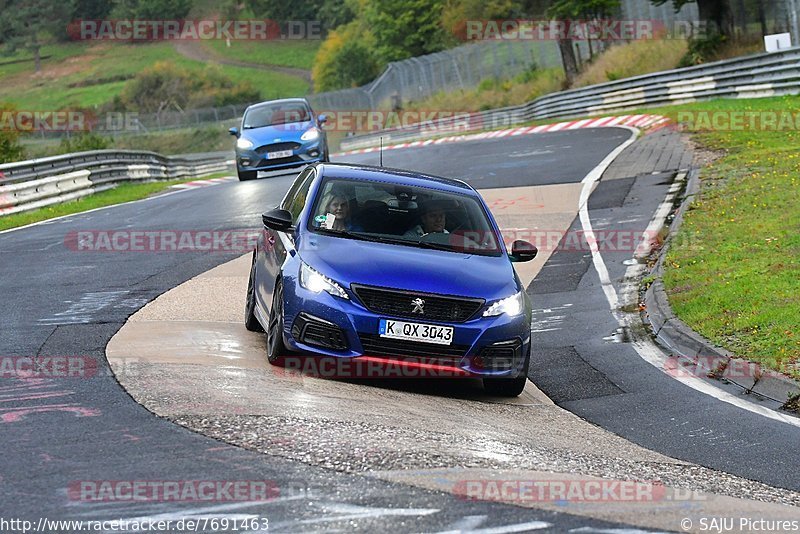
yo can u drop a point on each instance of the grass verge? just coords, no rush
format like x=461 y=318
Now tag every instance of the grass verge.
x=733 y=272
x=121 y=193
x=74 y=76
x=290 y=53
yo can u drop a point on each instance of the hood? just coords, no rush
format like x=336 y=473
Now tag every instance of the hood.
x=270 y=134
x=350 y=261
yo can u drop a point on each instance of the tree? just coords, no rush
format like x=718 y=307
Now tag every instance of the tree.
x=151 y=9
x=715 y=12
x=330 y=13
x=28 y=24
x=345 y=59
x=573 y=10
x=405 y=28
x=91 y=9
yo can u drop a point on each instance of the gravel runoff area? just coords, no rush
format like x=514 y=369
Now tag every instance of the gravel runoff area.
x=323 y=443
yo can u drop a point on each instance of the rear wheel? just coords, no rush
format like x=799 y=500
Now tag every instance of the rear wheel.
x=275 y=347
x=250 y=320
x=508 y=387
x=246 y=175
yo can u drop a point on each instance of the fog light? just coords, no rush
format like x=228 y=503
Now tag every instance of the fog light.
x=245 y=162
x=313 y=152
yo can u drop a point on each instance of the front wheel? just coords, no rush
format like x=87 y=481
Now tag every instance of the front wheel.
x=275 y=346
x=508 y=387
x=505 y=387
x=250 y=320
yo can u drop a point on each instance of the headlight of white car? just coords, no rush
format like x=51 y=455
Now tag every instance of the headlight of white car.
x=244 y=143
x=511 y=306
x=310 y=134
x=316 y=282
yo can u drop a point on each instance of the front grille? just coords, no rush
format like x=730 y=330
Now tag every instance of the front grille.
x=313 y=331
x=277 y=147
x=399 y=303
x=279 y=161
x=380 y=346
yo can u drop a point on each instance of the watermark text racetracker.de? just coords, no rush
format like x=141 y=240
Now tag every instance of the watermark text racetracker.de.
x=173 y=490
x=141 y=30
x=212 y=241
x=576 y=30
x=48 y=367
x=34 y=120
x=571 y=491
x=739 y=120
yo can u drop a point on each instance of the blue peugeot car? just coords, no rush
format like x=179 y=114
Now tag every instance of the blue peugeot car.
x=279 y=134
x=370 y=262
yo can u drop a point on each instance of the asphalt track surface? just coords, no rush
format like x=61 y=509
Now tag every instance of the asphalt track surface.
x=58 y=302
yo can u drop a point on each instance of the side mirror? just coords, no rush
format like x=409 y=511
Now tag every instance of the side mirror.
x=322 y=119
x=277 y=219
x=522 y=251
x=234 y=131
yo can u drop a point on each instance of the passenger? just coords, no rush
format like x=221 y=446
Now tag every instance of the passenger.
x=432 y=219
x=338 y=205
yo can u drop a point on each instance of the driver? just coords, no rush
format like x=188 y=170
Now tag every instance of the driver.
x=432 y=219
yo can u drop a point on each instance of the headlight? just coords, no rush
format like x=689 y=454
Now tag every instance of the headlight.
x=316 y=282
x=244 y=143
x=310 y=135
x=511 y=306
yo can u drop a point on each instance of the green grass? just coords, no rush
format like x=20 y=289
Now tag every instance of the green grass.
x=290 y=53
x=122 y=193
x=733 y=273
x=80 y=62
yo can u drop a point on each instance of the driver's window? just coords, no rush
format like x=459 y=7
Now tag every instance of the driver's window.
x=298 y=201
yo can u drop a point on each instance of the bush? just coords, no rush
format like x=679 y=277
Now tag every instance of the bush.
x=168 y=86
x=83 y=143
x=701 y=50
x=10 y=150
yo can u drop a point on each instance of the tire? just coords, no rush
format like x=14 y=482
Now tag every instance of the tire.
x=508 y=387
x=250 y=320
x=276 y=350
x=246 y=175
x=504 y=387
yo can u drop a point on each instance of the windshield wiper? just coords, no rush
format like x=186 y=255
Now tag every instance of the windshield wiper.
x=364 y=236
x=435 y=246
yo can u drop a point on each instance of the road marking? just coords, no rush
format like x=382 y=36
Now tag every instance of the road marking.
x=646 y=349
x=589 y=182
x=506 y=529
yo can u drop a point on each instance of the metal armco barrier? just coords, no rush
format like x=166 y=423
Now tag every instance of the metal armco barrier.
x=755 y=76
x=37 y=183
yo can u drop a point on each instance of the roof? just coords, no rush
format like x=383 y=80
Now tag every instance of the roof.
x=280 y=101
x=398 y=176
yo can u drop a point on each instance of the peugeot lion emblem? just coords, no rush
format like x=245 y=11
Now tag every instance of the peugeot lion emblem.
x=419 y=306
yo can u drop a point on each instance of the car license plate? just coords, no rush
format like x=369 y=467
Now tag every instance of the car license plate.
x=427 y=333
x=279 y=154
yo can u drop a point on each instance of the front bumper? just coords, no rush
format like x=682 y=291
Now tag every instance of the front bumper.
x=324 y=325
x=255 y=159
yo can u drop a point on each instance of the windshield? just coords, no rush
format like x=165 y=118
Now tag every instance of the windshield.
x=403 y=215
x=274 y=114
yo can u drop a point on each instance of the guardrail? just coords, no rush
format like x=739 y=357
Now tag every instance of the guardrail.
x=37 y=183
x=771 y=74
